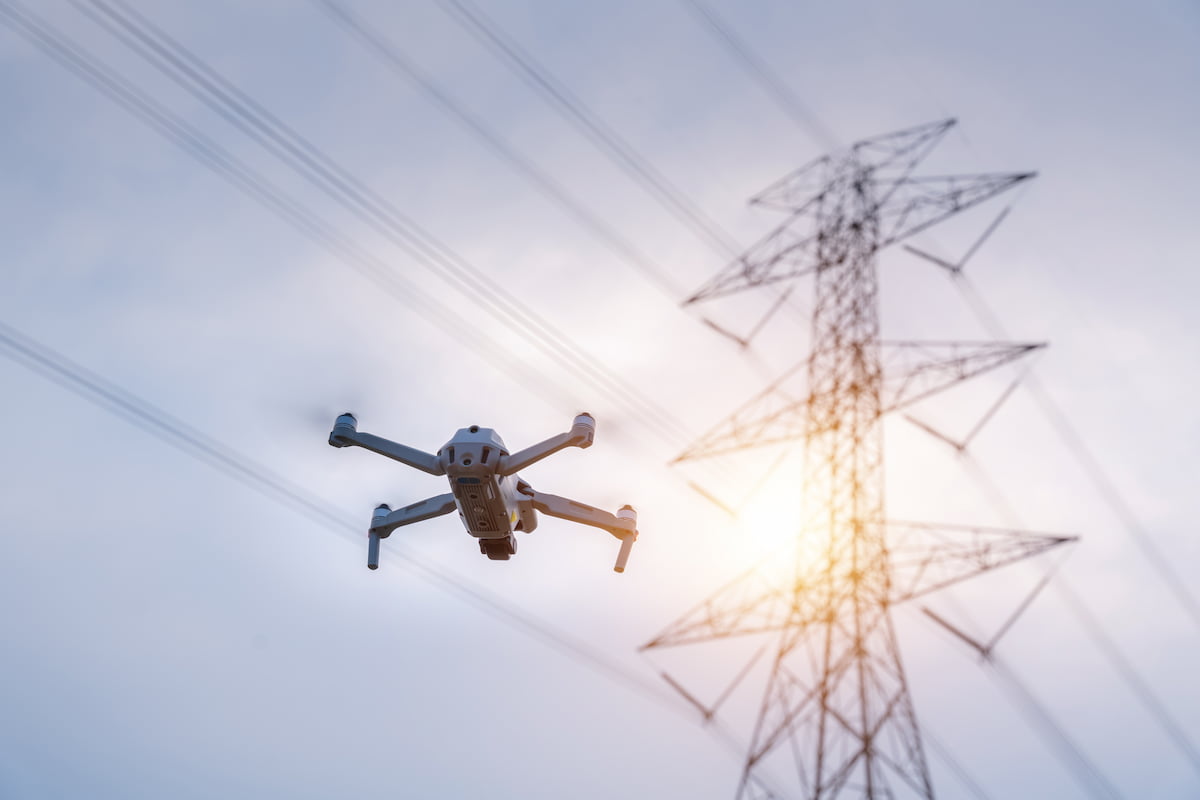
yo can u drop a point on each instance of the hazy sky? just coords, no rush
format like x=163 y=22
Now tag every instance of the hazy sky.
x=169 y=632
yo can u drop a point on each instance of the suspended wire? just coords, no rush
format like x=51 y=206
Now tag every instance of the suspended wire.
x=1095 y=631
x=1082 y=769
x=762 y=74
x=620 y=152
x=486 y=32
x=1105 y=643
x=610 y=144
x=110 y=397
x=393 y=57
x=1083 y=455
x=191 y=73
x=123 y=404
x=254 y=185
x=1140 y=688
x=1130 y=675
x=244 y=178
x=956 y=767
x=190 y=441
x=1085 y=771
x=652 y=271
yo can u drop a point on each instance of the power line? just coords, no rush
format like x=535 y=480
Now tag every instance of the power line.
x=620 y=152
x=254 y=185
x=210 y=154
x=248 y=116
x=392 y=56
x=185 y=438
x=538 y=78
x=1083 y=455
x=1130 y=675
x=123 y=404
x=959 y=771
x=1085 y=772
x=594 y=129
x=785 y=98
x=1095 y=631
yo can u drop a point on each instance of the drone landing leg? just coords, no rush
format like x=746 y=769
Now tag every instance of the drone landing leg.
x=622 y=525
x=385 y=521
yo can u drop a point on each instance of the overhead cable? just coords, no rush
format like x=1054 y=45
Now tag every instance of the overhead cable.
x=1103 y=484
x=391 y=55
x=537 y=77
x=1138 y=686
x=262 y=191
x=191 y=73
x=187 y=439
x=784 y=97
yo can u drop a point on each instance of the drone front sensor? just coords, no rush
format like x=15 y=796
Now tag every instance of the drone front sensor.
x=491 y=499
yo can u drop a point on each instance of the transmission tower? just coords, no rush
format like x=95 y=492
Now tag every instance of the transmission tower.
x=836 y=702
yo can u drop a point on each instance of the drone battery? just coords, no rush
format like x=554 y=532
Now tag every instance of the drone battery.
x=482 y=507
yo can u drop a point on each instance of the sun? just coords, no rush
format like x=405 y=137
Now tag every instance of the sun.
x=773 y=531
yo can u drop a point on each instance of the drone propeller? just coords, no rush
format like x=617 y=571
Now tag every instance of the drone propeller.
x=316 y=415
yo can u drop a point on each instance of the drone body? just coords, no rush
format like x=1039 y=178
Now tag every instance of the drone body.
x=492 y=501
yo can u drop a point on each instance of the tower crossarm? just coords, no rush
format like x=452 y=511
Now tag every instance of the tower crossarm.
x=905 y=206
x=926 y=557
x=914 y=371
x=774 y=415
x=923 y=558
x=818 y=218
x=800 y=187
x=910 y=205
x=787 y=252
x=899 y=152
x=895 y=154
x=750 y=604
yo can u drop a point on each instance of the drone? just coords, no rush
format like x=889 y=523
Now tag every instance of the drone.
x=491 y=500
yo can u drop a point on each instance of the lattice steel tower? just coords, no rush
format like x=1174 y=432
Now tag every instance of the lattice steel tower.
x=836 y=700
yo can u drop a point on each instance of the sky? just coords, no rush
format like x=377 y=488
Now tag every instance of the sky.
x=170 y=631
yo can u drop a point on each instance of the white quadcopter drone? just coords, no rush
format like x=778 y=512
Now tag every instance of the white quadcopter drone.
x=490 y=498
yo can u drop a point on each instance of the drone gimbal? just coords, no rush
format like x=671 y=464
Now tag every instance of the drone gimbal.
x=492 y=501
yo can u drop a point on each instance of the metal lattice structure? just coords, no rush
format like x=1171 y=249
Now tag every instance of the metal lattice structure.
x=836 y=700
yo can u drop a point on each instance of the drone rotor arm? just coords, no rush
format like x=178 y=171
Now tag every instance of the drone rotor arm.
x=438 y=506
x=581 y=434
x=622 y=525
x=346 y=434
